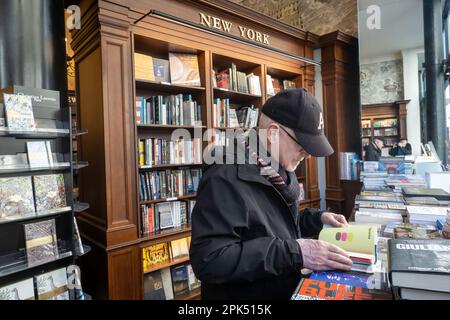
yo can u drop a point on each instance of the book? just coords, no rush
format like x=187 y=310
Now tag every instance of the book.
x=184 y=69
x=359 y=242
x=180 y=280
x=38 y=154
x=77 y=237
x=287 y=84
x=436 y=193
x=193 y=282
x=52 y=285
x=233 y=120
x=49 y=192
x=311 y=289
x=179 y=248
x=166 y=278
x=19 y=112
x=164 y=212
x=161 y=70
x=41 y=242
x=153 y=286
x=269 y=86
x=143 y=67
x=416 y=294
x=425 y=214
x=415 y=231
x=350 y=279
x=276 y=84
x=154 y=255
x=420 y=264
x=22 y=290
x=16 y=198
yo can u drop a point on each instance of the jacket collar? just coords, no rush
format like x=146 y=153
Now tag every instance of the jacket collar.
x=250 y=173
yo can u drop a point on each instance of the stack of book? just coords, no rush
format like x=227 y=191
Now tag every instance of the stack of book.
x=379 y=207
x=420 y=269
x=333 y=285
x=155 y=151
x=425 y=214
x=224 y=116
x=234 y=80
x=374 y=181
x=399 y=182
x=168 y=110
x=168 y=183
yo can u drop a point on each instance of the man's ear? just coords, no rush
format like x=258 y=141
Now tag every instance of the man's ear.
x=273 y=131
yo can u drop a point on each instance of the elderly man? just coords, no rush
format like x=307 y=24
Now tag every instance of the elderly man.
x=249 y=241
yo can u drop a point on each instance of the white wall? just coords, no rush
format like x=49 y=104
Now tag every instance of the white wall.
x=320 y=161
x=411 y=89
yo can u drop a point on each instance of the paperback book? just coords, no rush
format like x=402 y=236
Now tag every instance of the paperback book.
x=49 y=192
x=52 y=285
x=19 y=112
x=41 y=242
x=16 y=198
x=184 y=69
x=22 y=290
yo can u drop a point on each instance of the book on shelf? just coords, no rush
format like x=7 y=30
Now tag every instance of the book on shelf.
x=238 y=81
x=155 y=255
x=248 y=116
x=16 y=197
x=287 y=84
x=170 y=214
x=312 y=289
x=160 y=184
x=180 y=280
x=420 y=264
x=158 y=151
x=143 y=67
x=184 y=69
x=168 y=110
x=269 y=86
x=214 y=78
x=254 y=84
x=359 y=241
x=179 y=248
x=154 y=286
x=22 y=290
x=193 y=282
x=39 y=97
x=39 y=154
x=52 y=285
x=233 y=119
x=383 y=123
x=166 y=277
x=19 y=112
x=161 y=70
x=41 y=242
x=49 y=192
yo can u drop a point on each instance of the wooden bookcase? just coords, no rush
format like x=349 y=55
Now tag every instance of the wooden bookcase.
x=106 y=90
x=386 y=121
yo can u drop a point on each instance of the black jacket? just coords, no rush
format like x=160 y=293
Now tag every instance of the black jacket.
x=244 y=236
x=399 y=151
x=373 y=153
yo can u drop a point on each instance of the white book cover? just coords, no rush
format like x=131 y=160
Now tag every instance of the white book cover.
x=166 y=278
x=23 y=290
x=192 y=279
x=19 y=112
x=234 y=123
x=52 y=285
x=37 y=154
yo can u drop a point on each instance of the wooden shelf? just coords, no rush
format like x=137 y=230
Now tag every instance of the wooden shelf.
x=189 y=196
x=171 y=165
x=170 y=263
x=234 y=95
x=165 y=87
x=191 y=295
x=174 y=233
x=166 y=127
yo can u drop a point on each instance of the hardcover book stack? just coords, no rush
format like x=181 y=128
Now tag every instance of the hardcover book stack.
x=379 y=207
x=420 y=269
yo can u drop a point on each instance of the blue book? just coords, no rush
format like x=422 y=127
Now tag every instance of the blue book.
x=349 y=279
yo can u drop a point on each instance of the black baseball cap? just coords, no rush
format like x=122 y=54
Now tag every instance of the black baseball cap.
x=299 y=110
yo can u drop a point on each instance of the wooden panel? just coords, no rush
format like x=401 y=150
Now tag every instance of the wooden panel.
x=92 y=149
x=341 y=108
x=124 y=274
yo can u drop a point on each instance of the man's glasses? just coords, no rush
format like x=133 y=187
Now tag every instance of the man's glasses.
x=296 y=141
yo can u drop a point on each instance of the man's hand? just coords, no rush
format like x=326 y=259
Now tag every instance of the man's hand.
x=320 y=255
x=334 y=220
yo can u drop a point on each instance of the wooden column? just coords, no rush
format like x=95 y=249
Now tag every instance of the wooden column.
x=103 y=62
x=341 y=108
